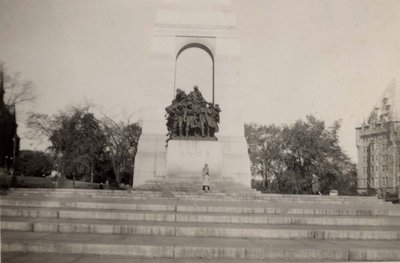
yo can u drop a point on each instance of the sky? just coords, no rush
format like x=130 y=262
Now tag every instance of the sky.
x=332 y=59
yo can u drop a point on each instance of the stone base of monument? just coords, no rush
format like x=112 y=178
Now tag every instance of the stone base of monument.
x=150 y=160
x=226 y=157
x=186 y=158
x=236 y=161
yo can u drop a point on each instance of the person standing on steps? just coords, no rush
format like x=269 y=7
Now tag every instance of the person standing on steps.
x=315 y=185
x=206 y=178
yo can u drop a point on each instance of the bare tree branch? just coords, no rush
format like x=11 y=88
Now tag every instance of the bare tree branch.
x=17 y=91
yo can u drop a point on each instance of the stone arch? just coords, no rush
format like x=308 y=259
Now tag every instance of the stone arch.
x=208 y=51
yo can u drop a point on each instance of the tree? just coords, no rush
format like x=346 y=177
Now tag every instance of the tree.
x=76 y=139
x=122 y=140
x=67 y=145
x=287 y=156
x=35 y=163
x=41 y=126
x=265 y=147
x=93 y=141
x=83 y=145
x=17 y=91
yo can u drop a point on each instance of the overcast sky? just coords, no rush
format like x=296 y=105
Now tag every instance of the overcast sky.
x=332 y=59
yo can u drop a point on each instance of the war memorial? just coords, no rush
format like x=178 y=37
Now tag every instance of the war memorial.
x=167 y=217
x=210 y=26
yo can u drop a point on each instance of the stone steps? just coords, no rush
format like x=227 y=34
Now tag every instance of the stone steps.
x=79 y=258
x=95 y=226
x=208 y=206
x=98 y=194
x=144 y=225
x=178 y=196
x=190 y=247
x=137 y=192
x=194 y=185
x=157 y=216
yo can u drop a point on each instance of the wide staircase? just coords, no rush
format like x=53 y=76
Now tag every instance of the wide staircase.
x=176 y=222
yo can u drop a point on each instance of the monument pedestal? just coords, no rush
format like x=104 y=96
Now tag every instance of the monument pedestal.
x=150 y=161
x=236 y=161
x=186 y=158
x=226 y=157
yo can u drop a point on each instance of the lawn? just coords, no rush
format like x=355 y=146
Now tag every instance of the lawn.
x=47 y=182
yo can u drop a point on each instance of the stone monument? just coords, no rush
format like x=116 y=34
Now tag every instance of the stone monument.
x=209 y=25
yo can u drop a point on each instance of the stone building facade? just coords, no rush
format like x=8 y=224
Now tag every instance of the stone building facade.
x=9 y=140
x=378 y=141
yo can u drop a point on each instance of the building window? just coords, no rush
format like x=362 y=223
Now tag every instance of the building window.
x=372 y=181
x=373 y=158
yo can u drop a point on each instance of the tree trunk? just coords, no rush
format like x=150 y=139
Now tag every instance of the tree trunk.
x=133 y=171
x=117 y=176
x=73 y=180
x=91 y=174
x=116 y=169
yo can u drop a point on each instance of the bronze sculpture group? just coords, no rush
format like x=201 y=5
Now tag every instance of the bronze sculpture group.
x=191 y=116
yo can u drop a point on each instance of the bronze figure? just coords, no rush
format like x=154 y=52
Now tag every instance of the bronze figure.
x=191 y=116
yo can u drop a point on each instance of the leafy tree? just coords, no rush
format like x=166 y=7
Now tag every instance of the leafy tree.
x=287 y=156
x=93 y=141
x=265 y=147
x=35 y=163
x=66 y=140
x=85 y=147
x=121 y=145
x=76 y=140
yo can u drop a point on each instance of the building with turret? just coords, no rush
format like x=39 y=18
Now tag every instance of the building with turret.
x=9 y=140
x=378 y=144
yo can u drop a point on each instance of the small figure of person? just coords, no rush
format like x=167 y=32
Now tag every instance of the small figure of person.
x=206 y=178
x=315 y=185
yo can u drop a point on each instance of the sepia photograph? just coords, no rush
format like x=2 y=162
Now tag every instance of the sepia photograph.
x=196 y=131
